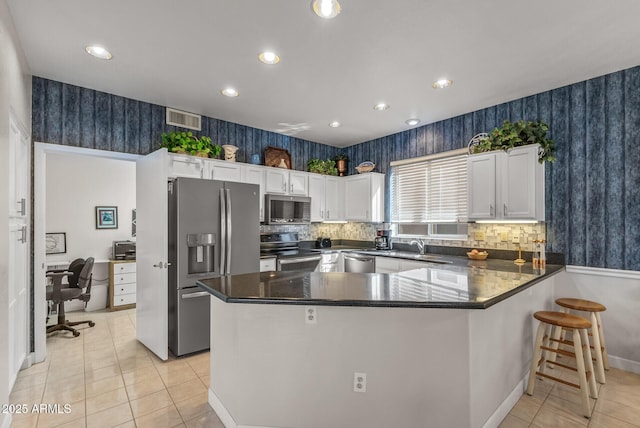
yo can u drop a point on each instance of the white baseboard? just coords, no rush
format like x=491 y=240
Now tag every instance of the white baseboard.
x=224 y=415
x=624 y=364
x=503 y=409
x=6 y=420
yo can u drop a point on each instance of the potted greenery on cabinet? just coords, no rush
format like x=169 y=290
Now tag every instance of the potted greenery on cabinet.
x=327 y=167
x=187 y=143
x=515 y=134
x=342 y=163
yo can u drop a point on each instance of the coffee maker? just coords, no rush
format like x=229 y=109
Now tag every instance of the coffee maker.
x=383 y=239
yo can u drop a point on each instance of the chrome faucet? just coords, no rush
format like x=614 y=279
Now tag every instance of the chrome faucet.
x=420 y=244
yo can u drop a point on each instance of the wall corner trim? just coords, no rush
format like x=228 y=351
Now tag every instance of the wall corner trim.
x=615 y=273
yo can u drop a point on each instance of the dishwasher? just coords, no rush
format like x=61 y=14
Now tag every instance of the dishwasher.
x=359 y=263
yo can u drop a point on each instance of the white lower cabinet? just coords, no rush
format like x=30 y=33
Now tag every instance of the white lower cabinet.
x=267 y=265
x=122 y=284
x=364 y=197
x=387 y=265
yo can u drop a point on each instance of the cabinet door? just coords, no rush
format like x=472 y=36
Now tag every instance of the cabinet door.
x=185 y=166
x=277 y=181
x=298 y=183
x=387 y=265
x=255 y=175
x=317 y=194
x=358 y=198
x=519 y=183
x=332 y=201
x=224 y=171
x=481 y=175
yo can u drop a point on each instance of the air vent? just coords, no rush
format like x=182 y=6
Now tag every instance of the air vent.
x=184 y=119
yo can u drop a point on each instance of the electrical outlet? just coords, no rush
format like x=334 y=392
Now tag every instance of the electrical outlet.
x=504 y=236
x=360 y=382
x=516 y=239
x=311 y=315
x=478 y=236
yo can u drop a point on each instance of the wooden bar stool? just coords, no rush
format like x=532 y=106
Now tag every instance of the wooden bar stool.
x=599 y=346
x=544 y=347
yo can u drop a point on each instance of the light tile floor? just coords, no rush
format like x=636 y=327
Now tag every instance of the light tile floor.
x=110 y=380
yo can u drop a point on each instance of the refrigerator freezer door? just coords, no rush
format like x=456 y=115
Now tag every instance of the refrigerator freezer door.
x=243 y=208
x=193 y=319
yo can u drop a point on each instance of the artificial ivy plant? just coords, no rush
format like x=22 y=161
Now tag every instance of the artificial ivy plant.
x=187 y=142
x=327 y=167
x=516 y=134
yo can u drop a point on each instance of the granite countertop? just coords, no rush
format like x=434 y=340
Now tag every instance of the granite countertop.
x=462 y=284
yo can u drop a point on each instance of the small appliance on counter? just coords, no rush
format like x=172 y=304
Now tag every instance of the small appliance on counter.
x=124 y=250
x=383 y=239
x=323 y=242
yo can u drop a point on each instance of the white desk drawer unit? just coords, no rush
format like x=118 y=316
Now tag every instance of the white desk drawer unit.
x=122 y=284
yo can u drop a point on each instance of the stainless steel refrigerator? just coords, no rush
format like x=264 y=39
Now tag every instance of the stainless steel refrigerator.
x=214 y=230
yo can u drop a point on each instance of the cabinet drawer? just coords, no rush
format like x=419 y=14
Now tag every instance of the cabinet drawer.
x=124 y=268
x=124 y=278
x=124 y=289
x=124 y=299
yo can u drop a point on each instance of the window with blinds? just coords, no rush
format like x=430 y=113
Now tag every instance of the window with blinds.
x=430 y=190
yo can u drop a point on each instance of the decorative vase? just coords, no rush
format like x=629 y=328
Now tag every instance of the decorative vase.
x=255 y=159
x=229 y=152
x=343 y=166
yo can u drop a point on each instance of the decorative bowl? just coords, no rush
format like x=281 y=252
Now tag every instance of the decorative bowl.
x=367 y=166
x=482 y=255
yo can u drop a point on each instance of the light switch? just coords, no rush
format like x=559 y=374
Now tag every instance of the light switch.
x=504 y=236
x=478 y=236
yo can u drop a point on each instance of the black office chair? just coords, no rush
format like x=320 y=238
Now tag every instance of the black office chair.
x=79 y=277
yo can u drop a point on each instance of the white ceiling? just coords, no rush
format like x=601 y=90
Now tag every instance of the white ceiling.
x=182 y=53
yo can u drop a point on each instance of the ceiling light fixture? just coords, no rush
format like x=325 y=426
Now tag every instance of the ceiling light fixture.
x=269 y=57
x=326 y=9
x=442 y=83
x=335 y=124
x=412 y=122
x=229 y=92
x=381 y=106
x=98 y=52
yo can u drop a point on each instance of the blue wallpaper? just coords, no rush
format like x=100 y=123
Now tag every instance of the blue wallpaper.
x=592 y=190
x=75 y=116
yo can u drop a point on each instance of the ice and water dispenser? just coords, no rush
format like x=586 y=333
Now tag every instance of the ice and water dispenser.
x=201 y=252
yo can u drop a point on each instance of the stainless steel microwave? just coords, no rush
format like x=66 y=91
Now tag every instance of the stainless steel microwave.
x=282 y=209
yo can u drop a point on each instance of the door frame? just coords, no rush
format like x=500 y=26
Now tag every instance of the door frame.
x=41 y=150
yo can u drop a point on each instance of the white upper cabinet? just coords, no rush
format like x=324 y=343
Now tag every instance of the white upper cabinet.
x=185 y=166
x=334 y=199
x=285 y=182
x=364 y=197
x=506 y=185
x=254 y=174
x=223 y=170
x=317 y=189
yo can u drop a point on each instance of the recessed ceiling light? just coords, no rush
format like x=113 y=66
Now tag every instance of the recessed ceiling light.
x=381 y=106
x=269 y=57
x=98 y=52
x=326 y=8
x=442 y=83
x=412 y=122
x=229 y=92
x=335 y=124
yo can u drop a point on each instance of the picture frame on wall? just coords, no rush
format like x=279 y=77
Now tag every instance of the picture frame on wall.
x=106 y=217
x=56 y=243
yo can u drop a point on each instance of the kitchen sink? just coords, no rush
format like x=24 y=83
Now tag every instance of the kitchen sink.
x=407 y=255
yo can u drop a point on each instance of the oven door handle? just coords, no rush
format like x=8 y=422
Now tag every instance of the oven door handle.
x=300 y=260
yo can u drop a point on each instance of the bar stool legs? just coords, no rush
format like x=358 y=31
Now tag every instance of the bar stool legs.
x=550 y=327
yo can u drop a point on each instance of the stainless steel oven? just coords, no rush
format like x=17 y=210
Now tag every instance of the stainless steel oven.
x=289 y=256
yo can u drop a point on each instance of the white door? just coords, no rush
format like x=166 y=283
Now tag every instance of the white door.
x=225 y=171
x=152 y=252
x=277 y=180
x=255 y=175
x=316 y=192
x=358 y=198
x=481 y=179
x=332 y=200
x=519 y=183
x=18 y=302
x=298 y=184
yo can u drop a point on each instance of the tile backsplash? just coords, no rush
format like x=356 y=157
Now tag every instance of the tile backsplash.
x=494 y=235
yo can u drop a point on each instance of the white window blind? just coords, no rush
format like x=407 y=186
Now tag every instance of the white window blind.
x=429 y=190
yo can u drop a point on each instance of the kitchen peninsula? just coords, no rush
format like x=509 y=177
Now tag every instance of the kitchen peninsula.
x=442 y=346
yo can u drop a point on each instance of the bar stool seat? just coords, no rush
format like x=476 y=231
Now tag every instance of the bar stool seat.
x=597 y=335
x=544 y=346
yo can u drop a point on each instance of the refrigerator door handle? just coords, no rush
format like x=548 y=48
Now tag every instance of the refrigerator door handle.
x=223 y=230
x=228 y=270
x=194 y=295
